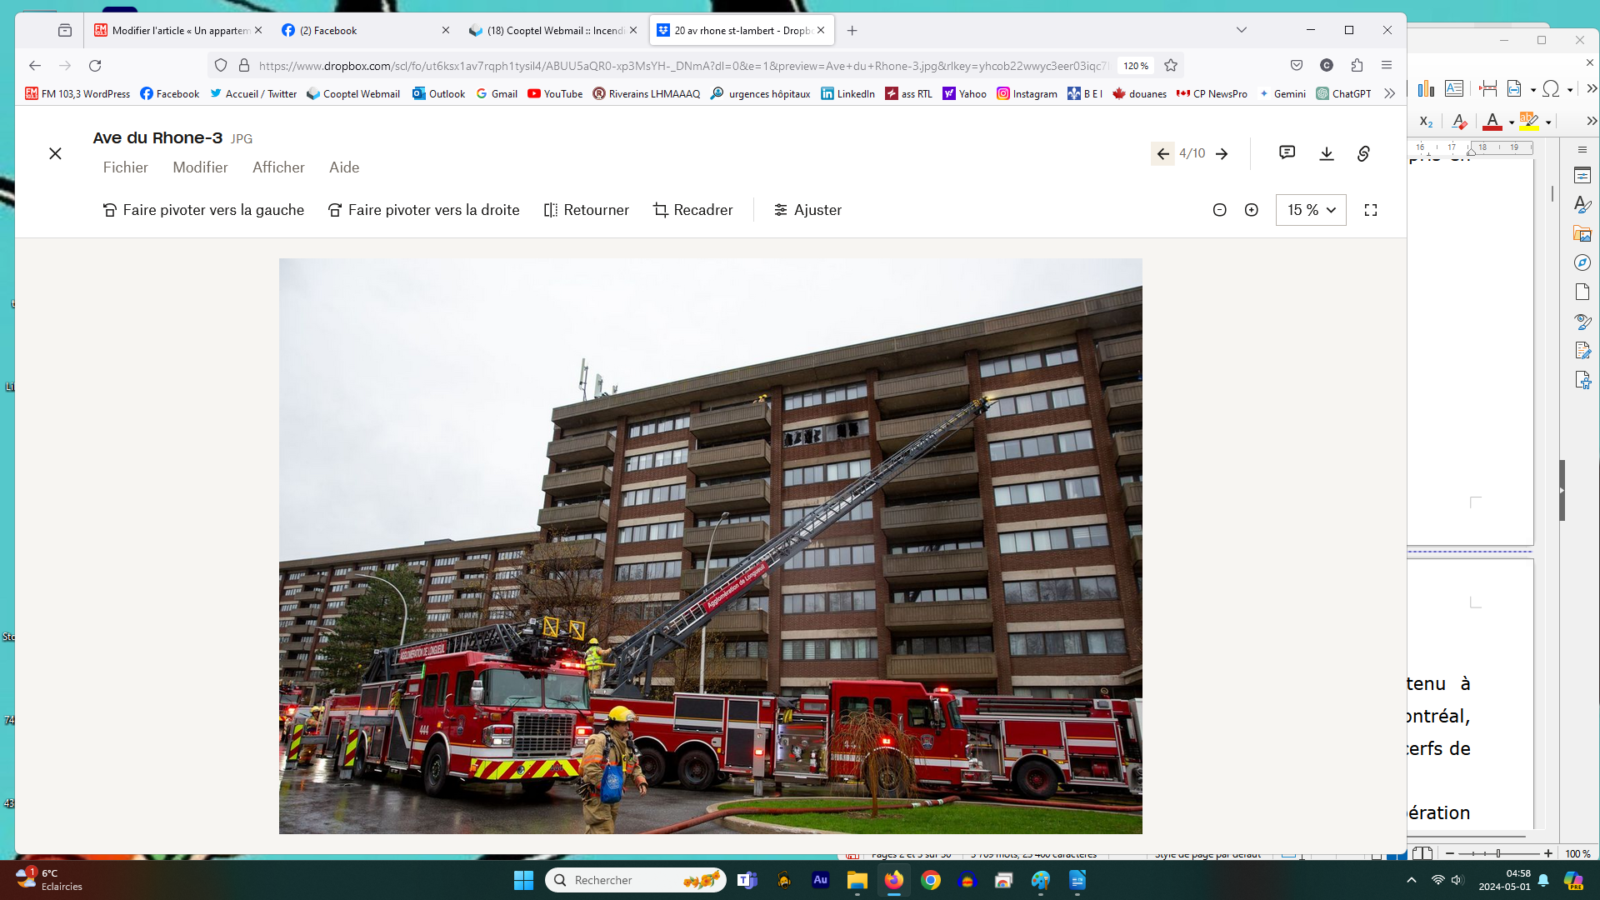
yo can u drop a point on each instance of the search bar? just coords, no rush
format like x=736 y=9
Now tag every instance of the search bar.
x=636 y=880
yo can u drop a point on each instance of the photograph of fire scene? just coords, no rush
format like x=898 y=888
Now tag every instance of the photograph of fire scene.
x=710 y=546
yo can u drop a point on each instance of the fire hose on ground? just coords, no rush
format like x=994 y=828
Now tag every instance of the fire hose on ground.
x=975 y=797
x=789 y=811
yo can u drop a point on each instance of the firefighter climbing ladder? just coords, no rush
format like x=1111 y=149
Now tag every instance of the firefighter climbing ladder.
x=636 y=657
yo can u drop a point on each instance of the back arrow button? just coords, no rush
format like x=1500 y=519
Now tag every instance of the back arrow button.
x=33 y=65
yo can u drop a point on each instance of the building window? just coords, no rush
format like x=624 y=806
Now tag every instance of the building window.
x=291 y=592
x=286 y=607
x=284 y=638
x=837 y=394
x=330 y=621
x=339 y=588
x=745 y=649
x=285 y=623
x=500 y=614
x=935 y=547
x=446 y=560
x=642 y=612
x=821 y=434
x=708 y=521
x=1061 y=398
x=835 y=648
x=470 y=595
x=573 y=536
x=417 y=562
x=511 y=594
x=939 y=595
x=484 y=556
x=390 y=567
x=1068 y=643
x=336 y=604
x=506 y=575
x=1046 y=491
x=1022 y=362
x=659 y=426
x=794 y=514
x=372 y=567
x=509 y=554
x=715 y=562
x=833 y=601
x=448 y=578
x=649 y=571
x=292 y=576
x=841 y=471
x=656 y=460
x=343 y=570
x=746 y=603
x=660 y=531
x=857 y=555
x=1042 y=445
x=949 y=643
x=1054 y=539
x=643 y=496
x=1055 y=590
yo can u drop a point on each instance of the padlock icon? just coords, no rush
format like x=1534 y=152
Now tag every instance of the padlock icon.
x=244 y=65
x=63 y=30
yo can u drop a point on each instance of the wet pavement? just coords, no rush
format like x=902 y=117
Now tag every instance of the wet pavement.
x=313 y=800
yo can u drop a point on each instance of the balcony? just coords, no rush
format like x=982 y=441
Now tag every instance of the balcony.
x=896 y=433
x=295 y=647
x=599 y=447
x=356 y=589
x=1130 y=448
x=462 y=623
x=943 y=615
x=467 y=566
x=744 y=420
x=466 y=602
x=693 y=577
x=944 y=667
x=585 y=553
x=740 y=538
x=300 y=629
x=747 y=457
x=936 y=475
x=742 y=668
x=1121 y=356
x=1133 y=498
x=741 y=622
x=941 y=567
x=742 y=496
x=303 y=597
x=583 y=482
x=950 y=518
x=1137 y=543
x=579 y=517
x=311 y=581
x=1125 y=402
x=928 y=390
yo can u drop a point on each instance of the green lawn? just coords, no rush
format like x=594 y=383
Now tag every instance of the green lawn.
x=958 y=818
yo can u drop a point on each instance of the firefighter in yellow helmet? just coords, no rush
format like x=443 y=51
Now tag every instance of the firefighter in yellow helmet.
x=594 y=661
x=610 y=745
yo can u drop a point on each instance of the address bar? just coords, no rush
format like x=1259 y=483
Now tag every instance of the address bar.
x=788 y=64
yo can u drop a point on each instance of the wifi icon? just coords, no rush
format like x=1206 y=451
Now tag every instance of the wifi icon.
x=1438 y=879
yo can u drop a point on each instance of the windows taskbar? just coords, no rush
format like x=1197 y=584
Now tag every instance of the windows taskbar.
x=246 y=879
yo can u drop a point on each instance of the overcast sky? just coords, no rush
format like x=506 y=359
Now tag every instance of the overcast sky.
x=415 y=395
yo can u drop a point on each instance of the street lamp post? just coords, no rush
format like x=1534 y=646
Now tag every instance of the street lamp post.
x=405 y=612
x=710 y=546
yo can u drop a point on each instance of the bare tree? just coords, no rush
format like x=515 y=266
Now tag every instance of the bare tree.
x=882 y=751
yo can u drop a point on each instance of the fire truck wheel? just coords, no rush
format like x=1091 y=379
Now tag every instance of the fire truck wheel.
x=1036 y=779
x=359 y=770
x=436 y=780
x=891 y=781
x=653 y=765
x=697 y=771
x=536 y=787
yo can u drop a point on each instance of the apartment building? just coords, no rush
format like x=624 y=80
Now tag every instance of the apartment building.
x=1008 y=561
x=458 y=581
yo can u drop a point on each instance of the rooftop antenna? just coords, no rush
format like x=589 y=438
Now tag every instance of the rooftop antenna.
x=599 y=386
x=583 y=379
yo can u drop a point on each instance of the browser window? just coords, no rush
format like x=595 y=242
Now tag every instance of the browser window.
x=755 y=403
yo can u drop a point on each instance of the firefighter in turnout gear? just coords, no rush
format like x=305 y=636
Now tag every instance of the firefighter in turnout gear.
x=611 y=745
x=595 y=662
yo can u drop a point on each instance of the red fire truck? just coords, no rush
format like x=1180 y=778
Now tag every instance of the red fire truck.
x=701 y=739
x=501 y=703
x=1037 y=745
x=288 y=707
